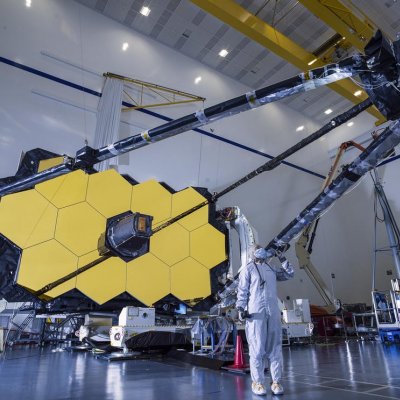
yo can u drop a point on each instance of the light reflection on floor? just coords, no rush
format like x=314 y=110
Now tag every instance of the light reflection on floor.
x=354 y=370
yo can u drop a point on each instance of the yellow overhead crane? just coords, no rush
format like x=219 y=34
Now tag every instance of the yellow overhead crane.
x=344 y=21
x=231 y=13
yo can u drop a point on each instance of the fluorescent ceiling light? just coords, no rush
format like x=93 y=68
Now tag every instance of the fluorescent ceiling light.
x=145 y=11
x=312 y=61
x=299 y=128
x=358 y=93
x=321 y=139
x=125 y=46
x=28 y=3
x=328 y=111
x=197 y=80
x=350 y=124
x=223 y=53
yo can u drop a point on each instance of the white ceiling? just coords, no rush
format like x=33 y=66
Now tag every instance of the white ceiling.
x=184 y=27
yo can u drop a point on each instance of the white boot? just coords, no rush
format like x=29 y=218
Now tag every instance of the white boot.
x=258 y=388
x=277 y=388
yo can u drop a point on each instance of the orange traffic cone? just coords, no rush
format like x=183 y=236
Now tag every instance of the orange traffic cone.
x=239 y=361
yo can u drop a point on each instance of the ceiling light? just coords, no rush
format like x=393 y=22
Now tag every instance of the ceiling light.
x=197 y=80
x=145 y=11
x=350 y=124
x=321 y=139
x=328 y=111
x=299 y=128
x=223 y=53
x=125 y=46
x=28 y=3
x=312 y=61
x=358 y=93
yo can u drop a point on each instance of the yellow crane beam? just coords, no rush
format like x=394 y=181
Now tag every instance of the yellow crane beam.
x=231 y=13
x=336 y=15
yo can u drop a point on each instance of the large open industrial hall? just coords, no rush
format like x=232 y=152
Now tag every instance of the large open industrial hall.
x=198 y=199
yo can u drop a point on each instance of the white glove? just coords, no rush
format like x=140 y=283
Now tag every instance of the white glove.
x=280 y=252
x=241 y=314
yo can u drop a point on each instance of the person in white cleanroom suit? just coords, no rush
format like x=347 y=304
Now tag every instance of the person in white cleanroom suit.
x=257 y=294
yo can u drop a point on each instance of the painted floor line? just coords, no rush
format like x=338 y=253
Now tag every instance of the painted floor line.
x=348 y=380
x=347 y=390
x=379 y=388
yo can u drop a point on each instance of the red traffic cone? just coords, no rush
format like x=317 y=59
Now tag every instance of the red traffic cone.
x=239 y=362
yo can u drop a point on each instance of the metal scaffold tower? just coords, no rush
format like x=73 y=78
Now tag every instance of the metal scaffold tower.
x=386 y=303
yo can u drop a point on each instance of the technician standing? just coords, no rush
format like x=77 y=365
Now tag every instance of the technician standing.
x=258 y=295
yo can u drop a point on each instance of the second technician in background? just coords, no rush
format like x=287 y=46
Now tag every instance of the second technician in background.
x=257 y=295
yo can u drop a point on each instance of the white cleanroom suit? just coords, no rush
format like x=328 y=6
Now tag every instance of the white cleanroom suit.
x=257 y=293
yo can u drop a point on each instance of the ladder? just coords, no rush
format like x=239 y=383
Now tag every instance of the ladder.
x=15 y=331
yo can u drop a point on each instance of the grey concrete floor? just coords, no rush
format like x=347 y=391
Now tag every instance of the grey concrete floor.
x=345 y=371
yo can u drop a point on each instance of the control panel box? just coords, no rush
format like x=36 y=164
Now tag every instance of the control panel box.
x=137 y=317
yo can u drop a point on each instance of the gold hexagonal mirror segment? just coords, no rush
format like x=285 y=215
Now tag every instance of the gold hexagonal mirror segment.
x=79 y=228
x=148 y=279
x=65 y=190
x=190 y=280
x=171 y=244
x=45 y=263
x=185 y=200
x=27 y=218
x=109 y=193
x=207 y=245
x=50 y=162
x=104 y=281
x=153 y=199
